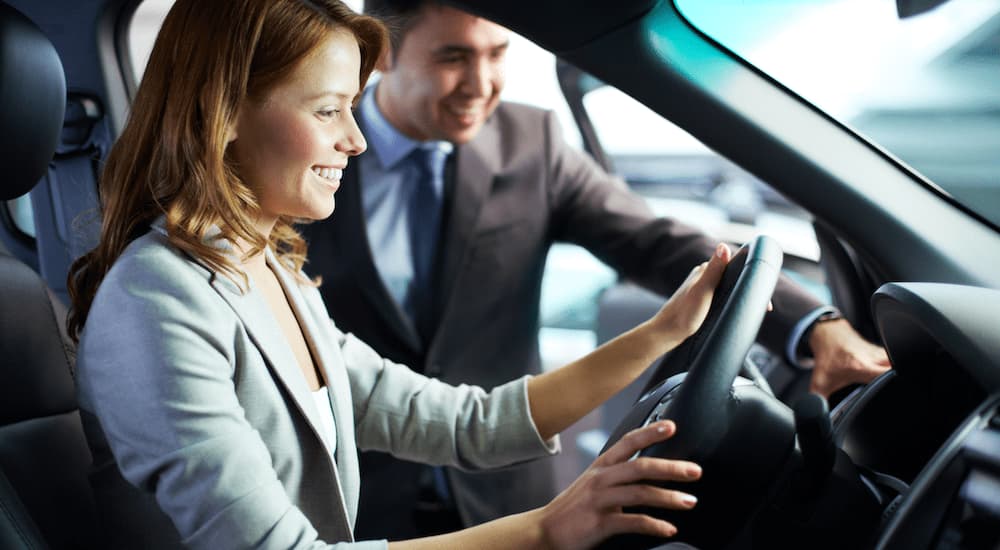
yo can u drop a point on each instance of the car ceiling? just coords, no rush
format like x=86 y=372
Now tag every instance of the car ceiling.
x=534 y=20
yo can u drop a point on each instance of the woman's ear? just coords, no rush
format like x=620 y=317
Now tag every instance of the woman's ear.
x=231 y=133
x=232 y=127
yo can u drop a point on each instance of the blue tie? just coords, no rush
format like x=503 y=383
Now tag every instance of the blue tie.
x=425 y=228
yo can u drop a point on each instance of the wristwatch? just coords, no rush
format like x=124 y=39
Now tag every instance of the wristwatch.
x=801 y=355
x=831 y=314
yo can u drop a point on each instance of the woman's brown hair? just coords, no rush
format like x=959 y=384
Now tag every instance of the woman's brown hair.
x=170 y=159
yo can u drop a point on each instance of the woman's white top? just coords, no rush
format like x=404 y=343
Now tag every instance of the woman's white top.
x=322 y=399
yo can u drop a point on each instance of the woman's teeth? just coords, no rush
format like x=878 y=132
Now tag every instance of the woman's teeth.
x=332 y=174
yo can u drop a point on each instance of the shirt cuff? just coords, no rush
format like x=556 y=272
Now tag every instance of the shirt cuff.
x=794 y=347
x=551 y=445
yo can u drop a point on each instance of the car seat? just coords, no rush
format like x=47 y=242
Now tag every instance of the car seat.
x=45 y=498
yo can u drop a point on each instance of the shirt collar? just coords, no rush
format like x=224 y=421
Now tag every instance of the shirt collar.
x=389 y=144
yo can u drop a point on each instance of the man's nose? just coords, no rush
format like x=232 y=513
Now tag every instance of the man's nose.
x=480 y=78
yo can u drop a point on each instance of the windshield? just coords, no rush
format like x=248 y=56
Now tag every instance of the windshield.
x=926 y=88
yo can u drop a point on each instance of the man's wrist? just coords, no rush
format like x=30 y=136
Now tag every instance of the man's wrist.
x=797 y=351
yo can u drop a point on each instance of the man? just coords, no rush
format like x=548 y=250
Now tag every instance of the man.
x=454 y=279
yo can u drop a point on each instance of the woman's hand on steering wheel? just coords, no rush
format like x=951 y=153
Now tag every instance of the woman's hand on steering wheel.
x=591 y=509
x=686 y=309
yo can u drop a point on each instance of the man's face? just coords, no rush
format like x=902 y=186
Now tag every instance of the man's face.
x=446 y=77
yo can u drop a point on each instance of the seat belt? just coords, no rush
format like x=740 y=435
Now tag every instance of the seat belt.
x=65 y=202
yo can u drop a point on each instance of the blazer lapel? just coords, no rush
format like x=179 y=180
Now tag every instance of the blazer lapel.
x=476 y=166
x=267 y=335
x=262 y=328
x=351 y=231
x=314 y=323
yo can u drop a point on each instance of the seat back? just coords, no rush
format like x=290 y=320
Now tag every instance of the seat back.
x=44 y=457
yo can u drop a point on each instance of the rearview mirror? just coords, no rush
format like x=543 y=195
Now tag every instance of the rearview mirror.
x=909 y=8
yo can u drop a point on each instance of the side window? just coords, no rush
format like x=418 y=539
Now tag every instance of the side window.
x=682 y=178
x=574 y=279
x=142 y=31
x=21 y=215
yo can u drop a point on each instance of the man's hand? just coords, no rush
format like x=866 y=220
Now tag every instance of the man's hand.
x=843 y=357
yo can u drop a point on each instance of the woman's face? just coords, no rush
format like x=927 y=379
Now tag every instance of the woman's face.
x=291 y=147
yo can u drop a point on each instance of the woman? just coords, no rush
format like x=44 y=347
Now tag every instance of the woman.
x=214 y=378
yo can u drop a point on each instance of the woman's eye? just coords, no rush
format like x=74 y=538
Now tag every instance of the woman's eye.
x=328 y=113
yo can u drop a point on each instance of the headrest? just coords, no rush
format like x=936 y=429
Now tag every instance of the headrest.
x=32 y=102
x=36 y=360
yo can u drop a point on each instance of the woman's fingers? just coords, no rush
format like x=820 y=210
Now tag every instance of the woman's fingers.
x=687 y=308
x=644 y=494
x=625 y=480
x=592 y=507
x=709 y=273
x=703 y=281
x=635 y=441
x=652 y=469
x=640 y=524
x=716 y=265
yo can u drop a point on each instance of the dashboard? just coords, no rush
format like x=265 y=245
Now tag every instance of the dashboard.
x=929 y=430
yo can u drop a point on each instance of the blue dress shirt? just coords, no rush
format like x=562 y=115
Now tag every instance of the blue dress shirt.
x=387 y=189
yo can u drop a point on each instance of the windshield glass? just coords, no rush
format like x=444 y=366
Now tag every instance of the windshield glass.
x=926 y=88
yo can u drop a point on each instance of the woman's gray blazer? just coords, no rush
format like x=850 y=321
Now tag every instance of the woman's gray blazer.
x=200 y=401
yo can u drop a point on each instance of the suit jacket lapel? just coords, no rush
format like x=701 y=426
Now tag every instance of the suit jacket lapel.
x=476 y=165
x=352 y=236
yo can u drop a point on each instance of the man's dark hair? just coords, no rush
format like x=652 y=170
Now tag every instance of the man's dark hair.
x=398 y=15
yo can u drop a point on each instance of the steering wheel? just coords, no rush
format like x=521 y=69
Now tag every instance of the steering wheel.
x=740 y=434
